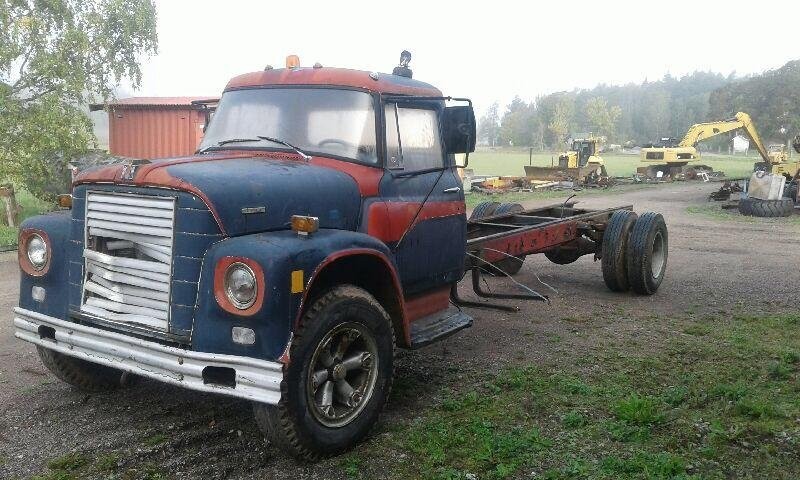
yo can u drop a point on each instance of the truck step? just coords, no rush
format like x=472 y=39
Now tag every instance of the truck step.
x=438 y=326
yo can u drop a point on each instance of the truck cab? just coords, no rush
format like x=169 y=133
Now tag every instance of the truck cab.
x=320 y=224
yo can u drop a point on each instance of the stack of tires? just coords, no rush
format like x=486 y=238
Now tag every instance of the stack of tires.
x=634 y=252
x=783 y=207
x=755 y=207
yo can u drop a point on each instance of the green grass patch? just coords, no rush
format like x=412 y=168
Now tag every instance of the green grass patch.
x=716 y=212
x=155 y=440
x=557 y=196
x=512 y=161
x=716 y=403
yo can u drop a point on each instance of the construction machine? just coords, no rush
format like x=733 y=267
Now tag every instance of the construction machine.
x=581 y=163
x=672 y=159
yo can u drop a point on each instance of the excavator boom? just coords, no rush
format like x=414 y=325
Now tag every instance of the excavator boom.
x=703 y=131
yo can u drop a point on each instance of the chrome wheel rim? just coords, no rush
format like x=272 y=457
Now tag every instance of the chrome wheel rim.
x=658 y=255
x=342 y=374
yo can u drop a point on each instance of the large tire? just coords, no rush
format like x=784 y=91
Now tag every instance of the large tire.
x=791 y=192
x=563 y=256
x=511 y=266
x=614 y=250
x=755 y=207
x=83 y=375
x=648 y=248
x=483 y=209
x=300 y=424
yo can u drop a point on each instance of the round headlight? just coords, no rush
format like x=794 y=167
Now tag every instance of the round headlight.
x=240 y=285
x=37 y=251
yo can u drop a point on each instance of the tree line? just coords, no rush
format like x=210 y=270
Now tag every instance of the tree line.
x=636 y=114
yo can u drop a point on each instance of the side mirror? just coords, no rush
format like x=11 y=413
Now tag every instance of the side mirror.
x=459 y=129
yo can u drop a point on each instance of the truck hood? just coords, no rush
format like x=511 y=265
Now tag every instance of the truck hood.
x=248 y=194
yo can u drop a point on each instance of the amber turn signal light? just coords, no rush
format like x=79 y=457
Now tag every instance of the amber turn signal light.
x=292 y=61
x=64 y=201
x=304 y=225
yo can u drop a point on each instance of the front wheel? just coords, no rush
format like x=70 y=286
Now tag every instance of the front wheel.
x=338 y=378
x=83 y=375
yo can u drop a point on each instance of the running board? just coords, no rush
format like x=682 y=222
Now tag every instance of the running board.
x=435 y=327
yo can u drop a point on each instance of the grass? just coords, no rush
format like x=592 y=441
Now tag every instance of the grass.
x=716 y=212
x=511 y=162
x=721 y=403
x=30 y=206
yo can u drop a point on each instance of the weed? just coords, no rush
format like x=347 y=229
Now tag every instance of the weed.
x=574 y=419
x=779 y=371
x=675 y=396
x=107 y=463
x=351 y=464
x=70 y=462
x=636 y=410
x=155 y=440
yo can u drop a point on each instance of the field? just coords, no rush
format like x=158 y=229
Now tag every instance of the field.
x=509 y=161
x=699 y=381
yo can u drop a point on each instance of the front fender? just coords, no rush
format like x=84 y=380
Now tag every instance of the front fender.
x=279 y=254
x=55 y=282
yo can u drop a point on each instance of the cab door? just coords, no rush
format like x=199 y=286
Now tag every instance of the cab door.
x=424 y=198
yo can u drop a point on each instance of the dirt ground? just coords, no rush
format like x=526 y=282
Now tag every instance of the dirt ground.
x=158 y=431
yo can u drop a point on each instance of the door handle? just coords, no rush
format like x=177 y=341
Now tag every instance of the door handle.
x=452 y=190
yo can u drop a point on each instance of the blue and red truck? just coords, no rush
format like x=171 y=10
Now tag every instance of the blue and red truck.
x=320 y=225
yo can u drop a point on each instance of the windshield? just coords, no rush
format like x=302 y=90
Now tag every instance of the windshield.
x=320 y=121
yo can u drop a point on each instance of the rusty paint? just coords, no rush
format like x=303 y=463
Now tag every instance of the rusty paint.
x=389 y=220
x=426 y=304
x=342 y=77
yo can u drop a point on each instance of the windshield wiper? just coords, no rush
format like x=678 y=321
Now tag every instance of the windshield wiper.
x=303 y=154
x=258 y=138
x=225 y=142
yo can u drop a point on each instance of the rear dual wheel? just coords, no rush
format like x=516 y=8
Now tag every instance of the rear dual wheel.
x=634 y=252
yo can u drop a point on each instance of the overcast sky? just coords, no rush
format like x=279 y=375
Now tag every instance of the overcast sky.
x=490 y=50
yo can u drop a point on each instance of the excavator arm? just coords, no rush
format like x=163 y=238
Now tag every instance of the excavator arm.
x=703 y=131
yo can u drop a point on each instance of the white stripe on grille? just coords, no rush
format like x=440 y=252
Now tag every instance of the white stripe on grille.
x=122 y=288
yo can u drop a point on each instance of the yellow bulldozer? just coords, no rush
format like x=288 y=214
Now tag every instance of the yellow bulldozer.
x=582 y=163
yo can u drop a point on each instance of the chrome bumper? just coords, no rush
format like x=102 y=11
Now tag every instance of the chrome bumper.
x=257 y=380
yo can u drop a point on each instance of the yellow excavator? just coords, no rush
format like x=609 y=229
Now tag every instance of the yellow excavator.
x=669 y=157
x=581 y=163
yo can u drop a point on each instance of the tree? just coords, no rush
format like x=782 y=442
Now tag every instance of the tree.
x=561 y=120
x=602 y=118
x=489 y=126
x=55 y=57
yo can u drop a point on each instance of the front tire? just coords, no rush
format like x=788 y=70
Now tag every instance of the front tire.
x=83 y=375
x=338 y=378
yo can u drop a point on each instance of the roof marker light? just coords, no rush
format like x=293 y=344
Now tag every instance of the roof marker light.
x=292 y=61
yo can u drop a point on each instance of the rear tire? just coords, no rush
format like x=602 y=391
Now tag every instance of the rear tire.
x=511 y=266
x=483 y=209
x=615 y=248
x=647 y=252
x=305 y=424
x=755 y=207
x=83 y=375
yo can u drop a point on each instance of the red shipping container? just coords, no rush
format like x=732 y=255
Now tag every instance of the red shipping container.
x=156 y=127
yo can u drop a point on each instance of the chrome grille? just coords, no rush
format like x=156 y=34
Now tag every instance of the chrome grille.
x=128 y=258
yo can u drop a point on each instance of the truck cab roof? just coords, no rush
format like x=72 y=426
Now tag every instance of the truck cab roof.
x=382 y=83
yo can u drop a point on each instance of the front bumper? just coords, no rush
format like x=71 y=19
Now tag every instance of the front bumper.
x=256 y=380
